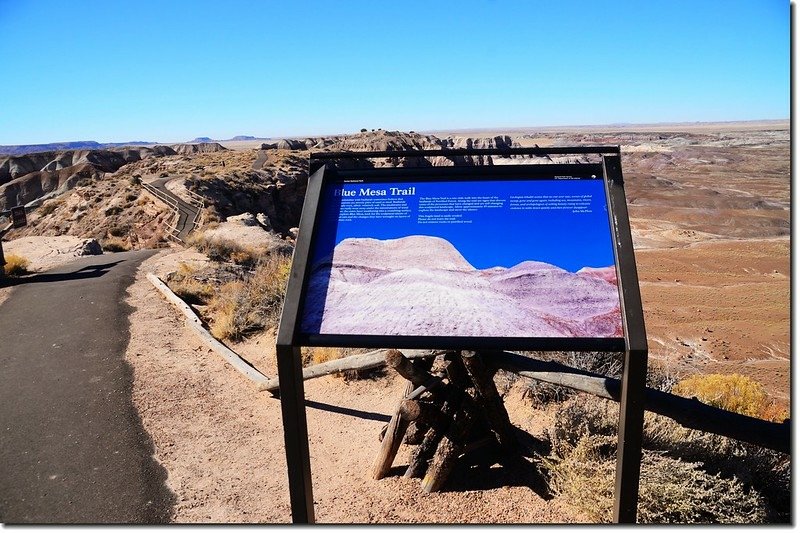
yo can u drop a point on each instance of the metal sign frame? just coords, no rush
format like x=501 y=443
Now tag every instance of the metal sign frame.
x=633 y=344
x=18 y=218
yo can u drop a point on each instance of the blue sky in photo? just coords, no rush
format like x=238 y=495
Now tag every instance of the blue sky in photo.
x=495 y=237
x=171 y=71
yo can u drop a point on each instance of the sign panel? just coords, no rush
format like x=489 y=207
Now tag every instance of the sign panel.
x=18 y=218
x=506 y=256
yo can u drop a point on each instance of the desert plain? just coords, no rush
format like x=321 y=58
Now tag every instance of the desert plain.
x=710 y=211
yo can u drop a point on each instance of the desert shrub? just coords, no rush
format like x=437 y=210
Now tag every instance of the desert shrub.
x=671 y=491
x=136 y=179
x=243 y=307
x=50 y=206
x=118 y=230
x=131 y=196
x=114 y=244
x=222 y=250
x=732 y=392
x=754 y=468
x=113 y=210
x=189 y=289
x=16 y=265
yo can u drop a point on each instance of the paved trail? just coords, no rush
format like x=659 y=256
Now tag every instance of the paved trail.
x=186 y=211
x=72 y=447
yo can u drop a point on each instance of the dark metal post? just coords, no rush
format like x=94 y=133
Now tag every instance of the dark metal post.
x=295 y=434
x=634 y=373
x=629 y=442
x=290 y=368
x=2 y=260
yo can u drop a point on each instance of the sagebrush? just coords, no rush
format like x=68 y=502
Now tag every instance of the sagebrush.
x=688 y=476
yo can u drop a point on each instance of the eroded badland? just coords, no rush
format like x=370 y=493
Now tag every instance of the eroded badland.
x=709 y=206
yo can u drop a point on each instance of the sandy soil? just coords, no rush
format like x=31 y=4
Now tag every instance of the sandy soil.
x=721 y=307
x=43 y=253
x=222 y=442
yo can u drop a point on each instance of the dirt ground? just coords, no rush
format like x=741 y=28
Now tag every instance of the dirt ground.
x=222 y=441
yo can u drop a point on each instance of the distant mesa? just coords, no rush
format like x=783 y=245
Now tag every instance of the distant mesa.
x=197 y=147
x=237 y=138
x=420 y=285
x=22 y=149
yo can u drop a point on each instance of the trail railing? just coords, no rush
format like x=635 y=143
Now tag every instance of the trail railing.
x=172 y=204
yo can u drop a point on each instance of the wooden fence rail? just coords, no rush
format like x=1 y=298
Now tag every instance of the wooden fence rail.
x=688 y=412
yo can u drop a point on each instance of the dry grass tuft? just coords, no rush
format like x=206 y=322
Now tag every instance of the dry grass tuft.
x=671 y=491
x=189 y=289
x=16 y=265
x=225 y=250
x=732 y=392
x=114 y=244
x=688 y=476
x=243 y=307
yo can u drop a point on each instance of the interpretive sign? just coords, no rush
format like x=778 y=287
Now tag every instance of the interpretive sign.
x=18 y=218
x=500 y=257
x=474 y=258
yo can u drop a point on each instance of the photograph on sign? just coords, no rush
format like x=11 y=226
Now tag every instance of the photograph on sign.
x=505 y=257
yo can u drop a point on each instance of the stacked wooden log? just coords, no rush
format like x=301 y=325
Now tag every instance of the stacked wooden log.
x=446 y=414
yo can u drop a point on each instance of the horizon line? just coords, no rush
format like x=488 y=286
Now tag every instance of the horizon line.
x=497 y=129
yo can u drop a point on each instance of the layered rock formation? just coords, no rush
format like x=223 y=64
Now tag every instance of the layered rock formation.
x=29 y=177
x=422 y=285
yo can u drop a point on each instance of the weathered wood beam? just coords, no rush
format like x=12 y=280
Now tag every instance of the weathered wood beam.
x=365 y=361
x=422 y=454
x=450 y=447
x=411 y=370
x=396 y=430
x=688 y=412
x=391 y=440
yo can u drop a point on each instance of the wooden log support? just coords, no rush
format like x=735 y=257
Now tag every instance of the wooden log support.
x=420 y=382
x=493 y=407
x=423 y=453
x=415 y=433
x=391 y=441
x=427 y=413
x=411 y=370
x=450 y=447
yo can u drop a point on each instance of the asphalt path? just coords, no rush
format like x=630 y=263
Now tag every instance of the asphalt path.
x=72 y=446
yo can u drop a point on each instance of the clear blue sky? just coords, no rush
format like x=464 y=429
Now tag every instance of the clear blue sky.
x=563 y=238
x=173 y=70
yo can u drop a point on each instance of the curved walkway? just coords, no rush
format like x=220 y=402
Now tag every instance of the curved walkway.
x=186 y=211
x=72 y=446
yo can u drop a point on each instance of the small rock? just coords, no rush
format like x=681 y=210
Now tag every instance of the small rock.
x=90 y=247
x=245 y=219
